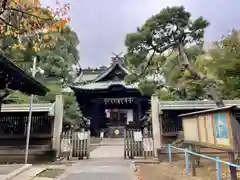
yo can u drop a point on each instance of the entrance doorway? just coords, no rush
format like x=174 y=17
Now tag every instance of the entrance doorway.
x=117 y=119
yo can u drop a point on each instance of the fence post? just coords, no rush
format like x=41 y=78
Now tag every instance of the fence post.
x=186 y=161
x=169 y=153
x=218 y=169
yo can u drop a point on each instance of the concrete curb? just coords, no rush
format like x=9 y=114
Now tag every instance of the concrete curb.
x=17 y=171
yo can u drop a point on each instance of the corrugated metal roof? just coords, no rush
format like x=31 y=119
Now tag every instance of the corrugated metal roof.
x=174 y=105
x=105 y=85
x=25 y=108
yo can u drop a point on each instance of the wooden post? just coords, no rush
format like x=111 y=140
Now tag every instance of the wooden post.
x=233 y=170
x=193 y=165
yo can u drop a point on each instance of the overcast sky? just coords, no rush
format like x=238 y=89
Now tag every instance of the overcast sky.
x=103 y=24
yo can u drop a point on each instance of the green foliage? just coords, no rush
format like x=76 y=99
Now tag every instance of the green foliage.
x=225 y=65
x=153 y=51
x=147 y=87
x=60 y=51
x=16 y=97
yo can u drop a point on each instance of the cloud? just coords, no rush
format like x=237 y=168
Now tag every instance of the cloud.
x=103 y=25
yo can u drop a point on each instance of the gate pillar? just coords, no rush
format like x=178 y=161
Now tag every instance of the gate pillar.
x=156 y=128
x=57 y=127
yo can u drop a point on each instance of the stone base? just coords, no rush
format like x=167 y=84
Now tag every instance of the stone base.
x=9 y=156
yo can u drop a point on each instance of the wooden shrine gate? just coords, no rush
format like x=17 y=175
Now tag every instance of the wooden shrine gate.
x=75 y=144
x=138 y=142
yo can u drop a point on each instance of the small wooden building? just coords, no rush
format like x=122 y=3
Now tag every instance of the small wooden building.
x=13 y=118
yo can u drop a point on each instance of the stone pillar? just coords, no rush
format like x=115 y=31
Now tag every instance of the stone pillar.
x=157 y=140
x=58 y=122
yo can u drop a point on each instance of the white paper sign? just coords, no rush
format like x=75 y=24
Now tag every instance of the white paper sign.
x=137 y=136
x=147 y=144
x=101 y=134
x=66 y=145
x=82 y=135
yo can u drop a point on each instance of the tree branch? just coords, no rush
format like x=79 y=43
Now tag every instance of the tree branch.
x=29 y=14
x=7 y=23
x=3 y=6
x=160 y=51
x=183 y=60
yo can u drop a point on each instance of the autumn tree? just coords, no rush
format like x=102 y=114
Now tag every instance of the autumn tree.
x=24 y=18
x=31 y=26
x=33 y=30
x=21 y=22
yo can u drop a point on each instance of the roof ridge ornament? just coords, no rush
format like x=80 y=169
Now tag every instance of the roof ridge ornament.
x=117 y=58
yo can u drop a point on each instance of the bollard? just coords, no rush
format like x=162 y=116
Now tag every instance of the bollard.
x=218 y=169
x=186 y=161
x=169 y=153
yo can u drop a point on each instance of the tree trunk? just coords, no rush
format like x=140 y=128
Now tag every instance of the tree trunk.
x=211 y=89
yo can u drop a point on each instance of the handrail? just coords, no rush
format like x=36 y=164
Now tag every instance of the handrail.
x=217 y=159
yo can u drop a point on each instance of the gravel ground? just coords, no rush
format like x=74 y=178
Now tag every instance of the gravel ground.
x=176 y=170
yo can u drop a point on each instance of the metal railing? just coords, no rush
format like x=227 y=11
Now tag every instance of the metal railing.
x=187 y=152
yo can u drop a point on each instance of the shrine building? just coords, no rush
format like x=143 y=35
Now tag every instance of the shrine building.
x=108 y=101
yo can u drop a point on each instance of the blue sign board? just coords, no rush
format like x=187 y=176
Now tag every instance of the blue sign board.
x=221 y=127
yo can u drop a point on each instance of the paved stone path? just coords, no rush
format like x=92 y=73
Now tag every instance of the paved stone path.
x=109 y=148
x=106 y=163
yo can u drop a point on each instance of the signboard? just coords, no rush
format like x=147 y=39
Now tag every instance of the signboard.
x=192 y=133
x=211 y=128
x=137 y=136
x=147 y=144
x=221 y=129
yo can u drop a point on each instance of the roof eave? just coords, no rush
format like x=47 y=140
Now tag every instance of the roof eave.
x=104 y=74
x=42 y=90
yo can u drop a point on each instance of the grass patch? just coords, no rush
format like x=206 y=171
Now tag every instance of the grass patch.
x=51 y=173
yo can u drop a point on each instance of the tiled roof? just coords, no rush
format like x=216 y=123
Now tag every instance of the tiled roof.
x=105 y=85
x=109 y=70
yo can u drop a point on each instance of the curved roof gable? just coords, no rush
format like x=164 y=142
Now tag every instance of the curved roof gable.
x=110 y=69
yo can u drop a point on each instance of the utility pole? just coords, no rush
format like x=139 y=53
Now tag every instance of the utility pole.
x=33 y=70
